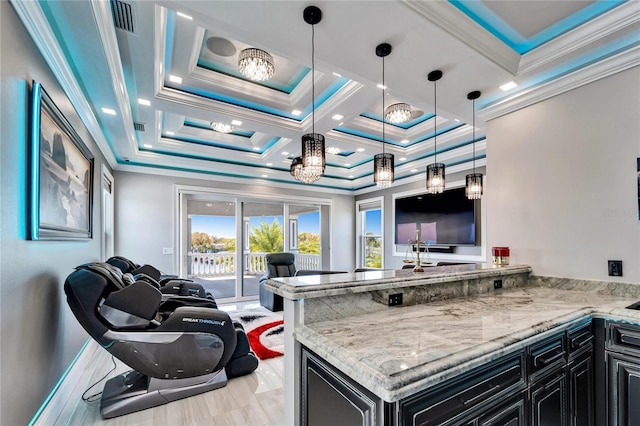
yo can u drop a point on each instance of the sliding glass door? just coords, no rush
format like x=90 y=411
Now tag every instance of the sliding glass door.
x=225 y=240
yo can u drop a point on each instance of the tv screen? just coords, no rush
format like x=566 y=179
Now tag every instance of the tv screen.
x=446 y=219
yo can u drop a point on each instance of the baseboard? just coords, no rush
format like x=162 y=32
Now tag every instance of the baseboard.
x=59 y=406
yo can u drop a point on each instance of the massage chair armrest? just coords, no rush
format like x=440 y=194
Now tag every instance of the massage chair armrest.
x=131 y=307
x=189 y=319
x=172 y=302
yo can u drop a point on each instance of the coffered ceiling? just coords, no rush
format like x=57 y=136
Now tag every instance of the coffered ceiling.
x=169 y=69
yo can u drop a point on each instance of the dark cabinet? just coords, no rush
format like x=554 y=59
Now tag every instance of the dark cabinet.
x=581 y=390
x=623 y=374
x=548 y=399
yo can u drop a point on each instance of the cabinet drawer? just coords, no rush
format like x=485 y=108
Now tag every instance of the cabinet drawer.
x=579 y=337
x=624 y=338
x=546 y=355
x=480 y=385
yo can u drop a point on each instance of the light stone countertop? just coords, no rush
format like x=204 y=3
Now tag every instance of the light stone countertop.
x=308 y=286
x=401 y=350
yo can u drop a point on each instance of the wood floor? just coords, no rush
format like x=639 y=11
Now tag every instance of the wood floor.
x=253 y=400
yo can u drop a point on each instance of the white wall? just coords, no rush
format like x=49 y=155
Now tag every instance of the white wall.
x=563 y=192
x=145 y=219
x=39 y=334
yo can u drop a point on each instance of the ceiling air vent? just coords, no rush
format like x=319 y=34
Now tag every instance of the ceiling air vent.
x=138 y=127
x=122 y=15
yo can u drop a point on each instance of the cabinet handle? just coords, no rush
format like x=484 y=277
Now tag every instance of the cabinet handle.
x=547 y=361
x=575 y=343
x=489 y=391
x=631 y=340
x=553 y=382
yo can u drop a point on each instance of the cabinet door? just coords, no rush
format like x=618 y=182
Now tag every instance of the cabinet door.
x=548 y=400
x=624 y=390
x=511 y=413
x=581 y=390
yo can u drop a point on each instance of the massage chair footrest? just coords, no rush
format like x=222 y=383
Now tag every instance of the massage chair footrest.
x=133 y=391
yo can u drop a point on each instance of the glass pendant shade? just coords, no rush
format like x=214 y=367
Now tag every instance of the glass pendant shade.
x=222 y=127
x=435 y=178
x=256 y=64
x=383 y=171
x=313 y=160
x=397 y=113
x=299 y=173
x=474 y=186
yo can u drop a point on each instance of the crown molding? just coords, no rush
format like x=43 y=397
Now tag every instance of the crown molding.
x=603 y=26
x=612 y=65
x=38 y=27
x=450 y=19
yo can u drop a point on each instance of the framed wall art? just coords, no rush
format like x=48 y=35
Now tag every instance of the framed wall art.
x=60 y=174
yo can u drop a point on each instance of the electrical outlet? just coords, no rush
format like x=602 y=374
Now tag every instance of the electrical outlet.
x=167 y=250
x=395 y=299
x=497 y=284
x=615 y=268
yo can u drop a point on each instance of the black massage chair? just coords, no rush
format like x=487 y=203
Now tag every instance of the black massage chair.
x=168 y=284
x=176 y=350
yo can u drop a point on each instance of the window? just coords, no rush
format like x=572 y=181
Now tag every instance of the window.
x=369 y=224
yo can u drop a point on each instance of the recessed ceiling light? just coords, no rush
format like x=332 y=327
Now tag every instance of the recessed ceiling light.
x=337 y=75
x=296 y=112
x=256 y=148
x=109 y=111
x=175 y=79
x=264 y=176
x=403 y=159
x=508 y=86
x=285 y=152
x=144 y=102
x=236 y=122
x=337 y=117
x=333 y=150
x=169 y=133
x=146 y=145
x=404 y=141
x=413 y=170
x=350 y=176
x=269 y=164
x=380 y=86
x=347 y=164
x=184 y=15
x=360 y=149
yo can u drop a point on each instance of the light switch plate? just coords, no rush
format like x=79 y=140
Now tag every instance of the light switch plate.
x=615 y=268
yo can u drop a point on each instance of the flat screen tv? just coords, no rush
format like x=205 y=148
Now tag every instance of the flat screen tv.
x=447 y=219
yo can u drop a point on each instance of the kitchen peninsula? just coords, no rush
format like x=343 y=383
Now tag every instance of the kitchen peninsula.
x=399 y=364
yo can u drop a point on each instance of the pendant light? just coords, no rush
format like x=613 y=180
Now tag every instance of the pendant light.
x=313 y=159
x=383 y=163
x=435 y=171
x=474 y=180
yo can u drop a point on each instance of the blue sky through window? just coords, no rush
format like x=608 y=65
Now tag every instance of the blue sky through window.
x=372 y=222
x=225 y=226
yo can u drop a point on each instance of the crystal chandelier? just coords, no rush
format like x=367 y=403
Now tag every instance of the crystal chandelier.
x=298 y=171
x=313 y=149
x=383 y=169
x=435 y=171
x=256 y=64
x=397 y=113
x=474 y=180
x=222 y=127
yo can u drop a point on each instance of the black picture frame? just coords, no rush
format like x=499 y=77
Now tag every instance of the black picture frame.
x=60 y=183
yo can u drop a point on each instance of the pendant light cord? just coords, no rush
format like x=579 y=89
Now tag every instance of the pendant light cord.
x=383 y=89
x=313 y=82
x=473 y=142
x=435 y=122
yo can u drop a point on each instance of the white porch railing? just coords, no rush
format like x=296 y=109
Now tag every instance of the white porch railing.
x=224 y=264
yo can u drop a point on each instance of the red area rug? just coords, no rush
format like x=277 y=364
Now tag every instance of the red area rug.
x=264 y=329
